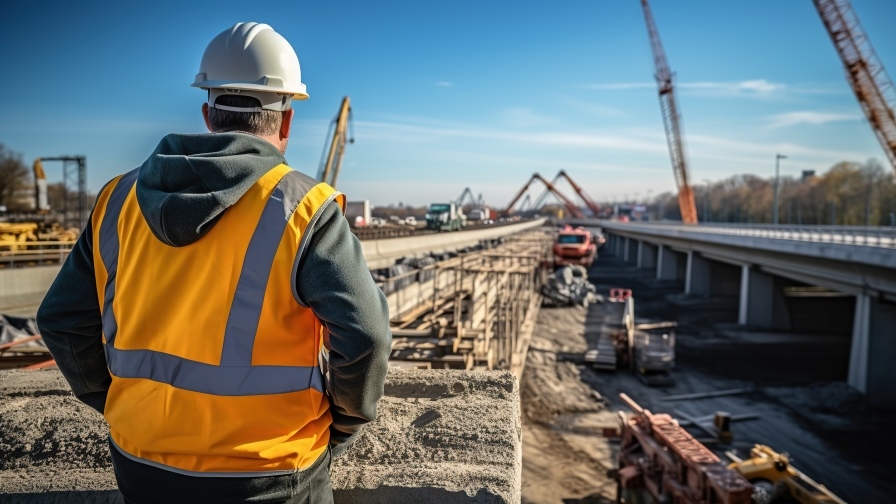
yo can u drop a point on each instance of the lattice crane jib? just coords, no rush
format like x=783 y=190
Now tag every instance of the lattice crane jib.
x=865 y=73
x=671 y=120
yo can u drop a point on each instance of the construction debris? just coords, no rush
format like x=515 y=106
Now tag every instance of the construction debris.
x=659 y=458
x=21 y=344
x=570 y=286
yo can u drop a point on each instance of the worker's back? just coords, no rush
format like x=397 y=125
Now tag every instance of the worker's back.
x=208 y=340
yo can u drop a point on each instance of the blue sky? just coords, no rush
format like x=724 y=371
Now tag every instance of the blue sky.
x=447 y=95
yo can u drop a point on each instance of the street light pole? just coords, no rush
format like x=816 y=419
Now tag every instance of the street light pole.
x=778 y=158
x=706 y=201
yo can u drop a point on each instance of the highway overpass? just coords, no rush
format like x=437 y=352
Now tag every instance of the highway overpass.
x=791 y=278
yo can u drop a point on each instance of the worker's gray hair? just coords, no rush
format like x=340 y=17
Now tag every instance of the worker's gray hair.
x=263 y=122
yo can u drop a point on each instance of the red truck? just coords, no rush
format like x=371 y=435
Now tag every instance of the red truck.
x=574 y=246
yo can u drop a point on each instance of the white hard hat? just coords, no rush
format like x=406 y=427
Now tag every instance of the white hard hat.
x=251 y=59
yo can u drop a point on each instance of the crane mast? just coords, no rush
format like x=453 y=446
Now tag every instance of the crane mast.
x=329 y=169
x=864 y=71
x=671 y=121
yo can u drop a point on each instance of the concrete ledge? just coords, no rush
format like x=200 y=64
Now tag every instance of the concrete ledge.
x=384 y=253
x=441 y=436
x=19 y=281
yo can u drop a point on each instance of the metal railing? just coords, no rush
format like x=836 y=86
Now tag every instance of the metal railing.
x=870 y=236
x=20 y=254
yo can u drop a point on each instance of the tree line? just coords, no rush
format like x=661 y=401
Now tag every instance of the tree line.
x=848 y=194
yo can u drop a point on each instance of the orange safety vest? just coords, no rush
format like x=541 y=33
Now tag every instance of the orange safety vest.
x=214 y=360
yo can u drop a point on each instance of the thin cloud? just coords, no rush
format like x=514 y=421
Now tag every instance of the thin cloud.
x=808 y=117
x=444 y=84
x=747 y=88
x=759 y=86
x=525 y=118
x=621 y=86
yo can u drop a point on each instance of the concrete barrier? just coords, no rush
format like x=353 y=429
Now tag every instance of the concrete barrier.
x=383 y=253
x=441 y=436
x=22 y=281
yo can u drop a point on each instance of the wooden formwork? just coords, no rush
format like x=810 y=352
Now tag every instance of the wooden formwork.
x=474 y=311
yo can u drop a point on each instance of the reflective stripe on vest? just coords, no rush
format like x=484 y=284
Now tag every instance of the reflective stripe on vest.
x=235 y=376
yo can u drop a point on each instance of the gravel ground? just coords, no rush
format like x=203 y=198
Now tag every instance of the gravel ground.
x=441 y=436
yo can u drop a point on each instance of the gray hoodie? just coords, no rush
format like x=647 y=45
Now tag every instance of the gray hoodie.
x=182 y=190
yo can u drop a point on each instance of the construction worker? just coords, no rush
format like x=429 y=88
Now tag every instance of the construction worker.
x=199 y=306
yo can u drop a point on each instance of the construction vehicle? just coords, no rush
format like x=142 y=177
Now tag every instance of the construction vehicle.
x=648 y=349
x=775 y=480
x=671 y=121
x=864 y=71
x=341 y=133
x=444 y=217
x=570 y=206
x=657 y=457
x=574 y=246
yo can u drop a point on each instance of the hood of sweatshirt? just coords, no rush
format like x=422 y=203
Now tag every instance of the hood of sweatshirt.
x=190 y=180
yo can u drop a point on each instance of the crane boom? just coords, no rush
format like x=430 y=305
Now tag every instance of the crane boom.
x=864 y=71
x=329 y=170
x=581 y=192
x=671 y=121
x=570 y=206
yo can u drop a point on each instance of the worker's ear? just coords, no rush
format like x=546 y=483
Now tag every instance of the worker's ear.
x=286 y=124
x=205 y=115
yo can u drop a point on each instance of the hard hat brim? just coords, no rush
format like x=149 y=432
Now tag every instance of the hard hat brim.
x=297 y=93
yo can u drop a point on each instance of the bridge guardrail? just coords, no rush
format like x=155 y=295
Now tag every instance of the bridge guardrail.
x=884 y=237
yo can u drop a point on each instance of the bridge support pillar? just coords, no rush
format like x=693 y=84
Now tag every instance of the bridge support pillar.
x=761 y=302
x=646 y=255
x=666 y=264
x=625 y=248
x=744 y=294
x=696 y=279
x=871 y=369
x=619 y=242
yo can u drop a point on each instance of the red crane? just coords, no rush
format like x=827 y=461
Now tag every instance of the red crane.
x=570 y=206
x=581 y=192
x=865 y=73
x=671 y=121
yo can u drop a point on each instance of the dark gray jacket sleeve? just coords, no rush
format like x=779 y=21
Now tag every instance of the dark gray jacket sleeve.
x=71 y=325
x=333 y=279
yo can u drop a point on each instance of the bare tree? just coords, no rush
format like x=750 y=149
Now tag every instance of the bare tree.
x=13 y=177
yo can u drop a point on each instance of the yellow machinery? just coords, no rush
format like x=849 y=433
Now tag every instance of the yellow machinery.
x=774 y=478
x=41 y=203
x=329 y=169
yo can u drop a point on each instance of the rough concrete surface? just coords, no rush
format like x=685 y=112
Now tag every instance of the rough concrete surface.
x=441 y=436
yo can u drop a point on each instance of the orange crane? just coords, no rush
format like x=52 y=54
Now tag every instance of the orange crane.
x=864 y=71
x=570 y=206
x=671 y=121
x=581 y=192
x=329 y=169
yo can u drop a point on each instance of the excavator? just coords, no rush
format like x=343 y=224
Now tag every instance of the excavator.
x=342 y=133
x=570 y=206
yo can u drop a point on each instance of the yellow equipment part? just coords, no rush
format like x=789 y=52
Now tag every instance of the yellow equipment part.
x=766 y=465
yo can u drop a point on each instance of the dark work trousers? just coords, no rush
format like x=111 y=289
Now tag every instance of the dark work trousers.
x=141 y=483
